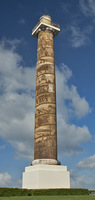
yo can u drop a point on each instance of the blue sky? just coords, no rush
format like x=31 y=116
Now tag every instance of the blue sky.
x=75 y=84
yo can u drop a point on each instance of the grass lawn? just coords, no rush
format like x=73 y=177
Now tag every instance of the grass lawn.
x=84 y=197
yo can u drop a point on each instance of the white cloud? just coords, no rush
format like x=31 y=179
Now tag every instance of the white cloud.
x=82 y=181
x=87 y=163
x=17 y=103
x=88 y=7
x=17 y=85
x=80 y=105
x=70 y=137
x=80 y=37
x=24 y=150
x=78 y=31
x=9 y=44
x=5 y=179
x=76 y=105
x=69 y=105
x=78 y=181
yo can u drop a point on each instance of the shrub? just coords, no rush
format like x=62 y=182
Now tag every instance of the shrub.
x=59 y=192
x=41 y=192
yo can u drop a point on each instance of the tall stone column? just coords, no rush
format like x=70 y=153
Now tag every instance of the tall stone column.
x=45 y=171
x=45 y=139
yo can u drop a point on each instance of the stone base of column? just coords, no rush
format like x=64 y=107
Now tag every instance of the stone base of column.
x=45 y=162
x=46 y=177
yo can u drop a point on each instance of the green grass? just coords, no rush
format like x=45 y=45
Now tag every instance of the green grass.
x=80 y=197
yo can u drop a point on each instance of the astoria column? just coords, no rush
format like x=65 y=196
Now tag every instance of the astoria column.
x=45 y=170
x=45 y=137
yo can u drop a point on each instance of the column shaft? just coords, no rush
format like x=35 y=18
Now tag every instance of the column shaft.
x=45 y=141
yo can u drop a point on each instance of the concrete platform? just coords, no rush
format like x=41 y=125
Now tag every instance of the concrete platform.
x=45 y=177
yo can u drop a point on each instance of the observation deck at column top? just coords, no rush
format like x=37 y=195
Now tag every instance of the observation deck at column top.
x=45 y=22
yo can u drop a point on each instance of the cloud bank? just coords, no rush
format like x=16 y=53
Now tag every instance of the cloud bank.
x=70 y=105
x=17 y=85
x=87 y=163
x=82 y=181
x=5 y=179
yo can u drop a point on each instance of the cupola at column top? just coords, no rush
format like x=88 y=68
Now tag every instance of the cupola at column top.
x=45 y=23
x=46 y=19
